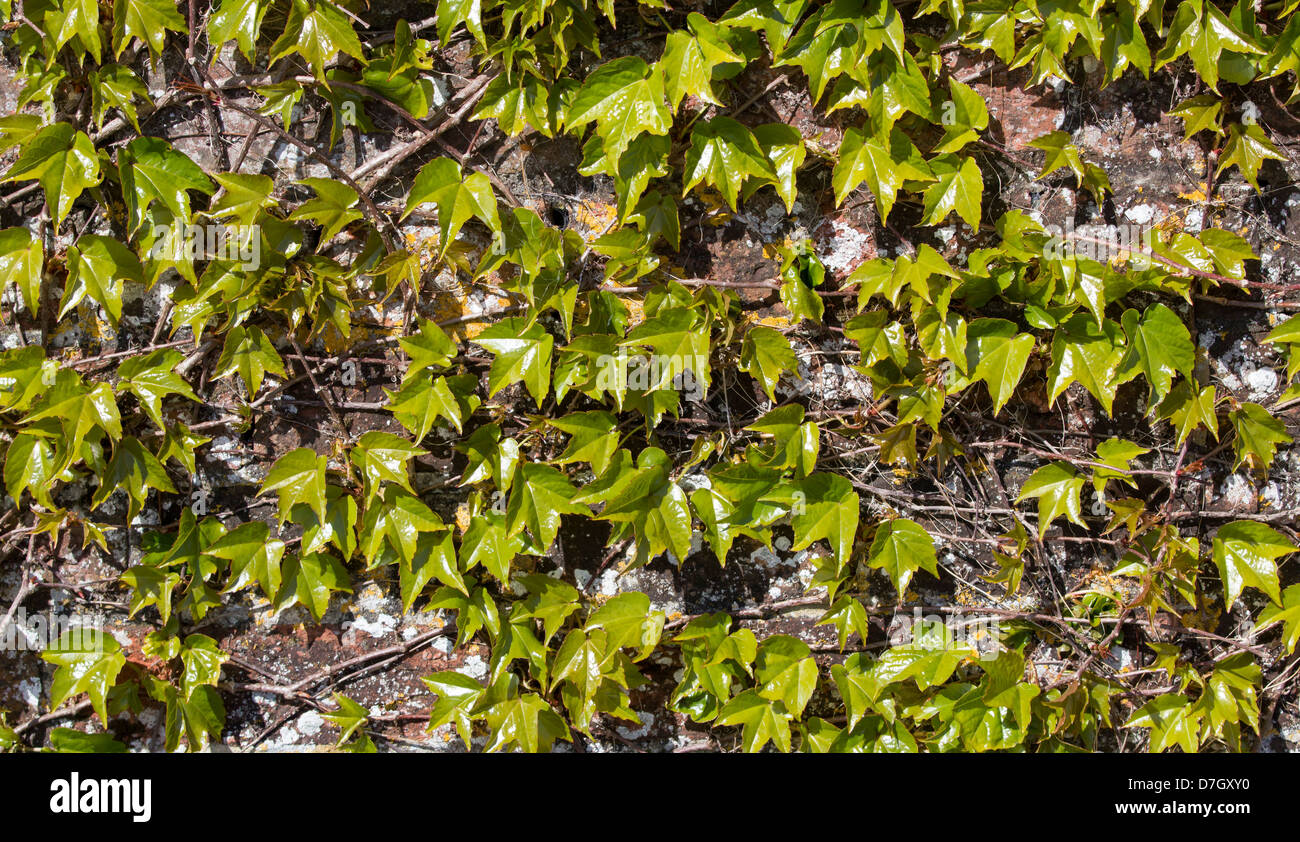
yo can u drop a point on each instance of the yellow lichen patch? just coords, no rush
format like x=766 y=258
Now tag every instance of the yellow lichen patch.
x=1197 y=195
x=716 y=211
x=469 y=330
x=1171 y=224
x=964 y=595
x=447 y=305
x=1097 y=577
x=771 y=321
x=70 y=354
x=334 y=340
x=462 y=517
x=424 y=244
x=593 y=218
x=1206 y=619
x=772 y=251
x=93 y=327
x=635 y=311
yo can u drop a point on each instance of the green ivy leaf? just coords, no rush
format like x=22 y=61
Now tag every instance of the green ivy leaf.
x=1287 y=613
x=201 y=659
x=75 y=18
x=487 y=542
x=239 y=21
x=829 y=509
x=1087 y=353
x=1058 y=487
x=72 y=741
x=849 y=616
x=65 y=163
x=147 y=20
x=309 y=580
x=786 y=672
x=527 y=722
x=152 y=377
x=134 y=470
x=451 y=13
x=1247 y=147
x=654 y=507
x=250 y=354
x=298 y=477
x=349 y=718
x=689 y=61
x=88 y=662
x=429 y=348
x=594 y=437
x=318 y=30
x=681 y=343
x=199 y=718
x=242 y=196
x=540 y=496
x=900 y=548
x=997 y=354
x=333 y=208
x=628 y=621
x=434 y=557
x=1245 y=553
x=883 y=164
x=253 y=555
x=457 y=200
x=1172 y=720
x=151 y=585
x=1200 y=113
x=98 y=267
x=724 y=154
x=1124 y=45
x=490 y=458
x=421 y=402
x=624 y=98
x=958 y=187
x=382 y=457
x=399 y=518
x=458 y=695
x=1159 y=346
x=763 y=721
x=522 y=351
x=766 y=354
x=1060 y=152
x=22 y=261
x=80 y=409
x=29 y=464
x=784 y=147
x=1186 y=409
x=1258 y=435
